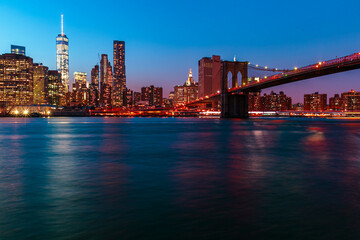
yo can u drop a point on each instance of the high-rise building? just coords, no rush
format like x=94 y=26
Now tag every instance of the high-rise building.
x=94 y=87
x=105 y=81
x=210 y=74
x=80 y=94
x=186 y=93
x=18 y=49
x=153 y=95
x=80 y=77
x=315 y=102
x=119 y=84
x=55 y=88
x=62 y=56
x=16 y=80
x=41 y=79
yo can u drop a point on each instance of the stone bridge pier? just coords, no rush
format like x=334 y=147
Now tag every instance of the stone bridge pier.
x=234 y=105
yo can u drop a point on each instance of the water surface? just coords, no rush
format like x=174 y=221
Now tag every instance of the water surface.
x=164 y=178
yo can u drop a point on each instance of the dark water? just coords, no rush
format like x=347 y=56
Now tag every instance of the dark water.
x=155 y=178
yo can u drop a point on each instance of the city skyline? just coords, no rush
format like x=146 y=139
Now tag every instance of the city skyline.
x=163 y=54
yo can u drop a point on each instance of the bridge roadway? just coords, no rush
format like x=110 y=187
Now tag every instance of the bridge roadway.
x=333 y=66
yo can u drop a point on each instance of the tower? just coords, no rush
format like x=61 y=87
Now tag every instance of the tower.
x=119 y=83
x=62 y=56
x=190 y=81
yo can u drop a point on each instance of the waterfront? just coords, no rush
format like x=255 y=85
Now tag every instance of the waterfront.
x=179 y=178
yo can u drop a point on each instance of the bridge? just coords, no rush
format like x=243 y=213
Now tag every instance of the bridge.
x=234 y=100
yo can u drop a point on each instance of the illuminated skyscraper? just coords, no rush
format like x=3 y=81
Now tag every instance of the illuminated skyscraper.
x=119 y=83
x=105 y=81
x=94 y=86
x=41 y=79
x=62 y=56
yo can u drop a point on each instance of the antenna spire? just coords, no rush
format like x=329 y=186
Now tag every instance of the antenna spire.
x=62 y=25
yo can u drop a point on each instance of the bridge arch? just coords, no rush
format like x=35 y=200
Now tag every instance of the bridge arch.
x=237 y=70
x=229 y=80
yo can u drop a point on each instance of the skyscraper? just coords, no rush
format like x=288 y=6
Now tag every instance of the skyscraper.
x=105 y=81
x=41 y=79
x=62 y=56
x=94 y=86
x=210 y=74
x=54 y=88
x=119 y=83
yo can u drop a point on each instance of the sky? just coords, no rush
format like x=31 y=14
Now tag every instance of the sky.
x=164 y=39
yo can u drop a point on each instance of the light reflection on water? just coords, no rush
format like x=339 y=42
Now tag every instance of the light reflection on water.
x=156 y=178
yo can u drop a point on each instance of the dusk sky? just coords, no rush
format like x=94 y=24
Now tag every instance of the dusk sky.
x=166 y=38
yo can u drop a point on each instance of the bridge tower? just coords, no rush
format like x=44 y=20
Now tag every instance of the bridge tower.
x=234 y=105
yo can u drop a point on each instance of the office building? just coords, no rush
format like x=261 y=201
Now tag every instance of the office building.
x=62 y=56
x=41 y=81
x=119 y=83
x=105 y=82
x=186 y=93
x=210 y=75
x=16 y=80
x=55 y=88
x=94 y=87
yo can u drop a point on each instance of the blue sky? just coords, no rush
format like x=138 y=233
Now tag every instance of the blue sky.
x=165 y=38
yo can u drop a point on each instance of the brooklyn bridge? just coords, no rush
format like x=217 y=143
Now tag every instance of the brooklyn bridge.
x=233 y=96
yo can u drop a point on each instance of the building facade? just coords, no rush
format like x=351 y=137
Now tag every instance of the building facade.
x=186 y=93
x=94 y=87
x=153 y=95
x=210 y=75
x=350 y=101
x=335 y=103
x=15 y=49
x=105 y=82
x=55 y=94
x=269 y=102
x=315 y=102
x=16 y=80
x=119 y=83
x=62 y=56
x=80 y=93
x=41 y=81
